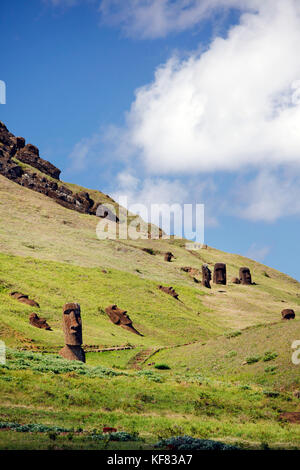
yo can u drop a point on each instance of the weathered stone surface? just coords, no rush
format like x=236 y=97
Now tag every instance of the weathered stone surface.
x=119 y=317
x=206 y=276
x=38 y=322
x=288 y=314
x=170 y=291
x=23 y=298
x=220 y=274
x=73 y=353
x=291 y=417
x=14 y=147
x=72 y=328
x=245 y=276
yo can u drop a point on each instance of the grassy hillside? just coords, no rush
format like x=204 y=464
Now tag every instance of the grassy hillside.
x=227 y=347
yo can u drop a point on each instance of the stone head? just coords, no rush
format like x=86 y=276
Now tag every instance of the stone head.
x=245 y=276
x=72 y=325
x=220 y=273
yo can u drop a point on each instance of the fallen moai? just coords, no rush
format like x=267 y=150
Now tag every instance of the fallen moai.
x=235 y=280
x=72 y=328
x=220 y=274
x=206 y=276
x=288 y=314
x=189 y=270
x=170 y=291
x=119 y=317
x=24 y=299
x=245 y=276
x=38 y=322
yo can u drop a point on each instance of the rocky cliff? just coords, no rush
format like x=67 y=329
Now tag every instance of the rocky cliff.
x=14 y=152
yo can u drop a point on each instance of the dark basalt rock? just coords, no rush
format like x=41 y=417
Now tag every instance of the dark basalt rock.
x=12 y=148
x=168 y=256
x=288 y=314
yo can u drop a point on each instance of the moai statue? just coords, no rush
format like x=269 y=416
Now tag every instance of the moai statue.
x=220 y=273
x=38 y=322
x=72 y=328
x=288 y=314
x=169 y=256
x=206 y=276
x=170 y=291
x=120 y=317
x=245 y=276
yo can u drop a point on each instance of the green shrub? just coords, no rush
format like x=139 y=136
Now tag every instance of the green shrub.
x=162 y=366
x=252 y=359
x=269 y=356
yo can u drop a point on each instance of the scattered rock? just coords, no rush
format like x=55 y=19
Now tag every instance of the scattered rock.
x=108 y=430
x=120 y=317
x=220 y=273
x=38 y=322
x=29 y=154
x=24 y=299
x=170 y=291
x=235 y=280
x=288 y=314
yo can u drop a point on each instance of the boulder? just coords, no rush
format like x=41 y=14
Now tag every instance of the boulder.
x=288 y=314
x=170 y=291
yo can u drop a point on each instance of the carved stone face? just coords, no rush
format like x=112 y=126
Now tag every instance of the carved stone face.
x=118 y=316
x=220 y=273
x=245 y=276
x=72 y=325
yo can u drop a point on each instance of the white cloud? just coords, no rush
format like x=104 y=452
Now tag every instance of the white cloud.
x=157 y=18
x=269 y=196
x=258 y=253
x=233 y=106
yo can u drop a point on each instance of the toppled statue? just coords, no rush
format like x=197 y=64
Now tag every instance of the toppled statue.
x=288 y=314
x=72 y=328
x=120 y=317
x=24 y=299
x=38 y=322
x=206 y=276
x=220 y=273
x=169 y=256
x=235 y=280
x=170 y=291
x=245 y=276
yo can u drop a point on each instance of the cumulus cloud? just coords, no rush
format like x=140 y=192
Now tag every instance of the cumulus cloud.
x=233 y=106
x=270 y=195
x=157 y=18
x=258 y=253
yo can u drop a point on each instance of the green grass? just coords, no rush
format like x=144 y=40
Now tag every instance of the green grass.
x=209 y=386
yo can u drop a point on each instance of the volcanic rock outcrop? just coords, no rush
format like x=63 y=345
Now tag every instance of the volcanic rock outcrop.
x=38 y=322
x=206 y=276
x=288 y=314
x=72 y=328
x=24 y=299
x=120 y=317
x=220 y=273
x=170 y=291
x=13 y=151
x=245 y=276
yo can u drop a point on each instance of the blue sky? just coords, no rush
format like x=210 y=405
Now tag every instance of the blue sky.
x=167 y=101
